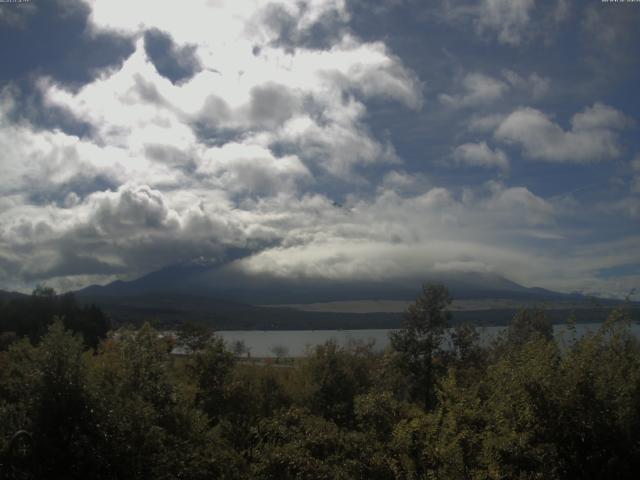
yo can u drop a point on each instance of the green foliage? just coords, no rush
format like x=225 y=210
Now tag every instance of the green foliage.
x=334 y=378
x=149 y=428
x=31 y=317
x=418 y=342
x=211 y=369
x=194 y=337
x=296 y=445
x=527 y=325
x=525 y=407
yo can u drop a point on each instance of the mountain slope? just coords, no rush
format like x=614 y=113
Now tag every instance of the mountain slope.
x=230 y=285
x=227 y=299
x=6 y=295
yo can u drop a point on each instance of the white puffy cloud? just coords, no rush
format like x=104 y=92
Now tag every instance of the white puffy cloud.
x=600 y=116
x=246 y=150
x=396 y=236
x=487 y=229
x=137 y=228
x=404 y=182
x=130 y=231
x=480 y=155
x=593 y=135
x=251 y=169
x=173 y=171
x=477 y=89
x=45 y=163
x=519 y=205
x=306 y=100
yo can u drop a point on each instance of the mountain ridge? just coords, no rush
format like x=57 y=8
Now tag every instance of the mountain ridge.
x=226 y=284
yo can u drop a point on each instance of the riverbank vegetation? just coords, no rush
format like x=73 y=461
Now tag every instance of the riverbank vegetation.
x=525 y=407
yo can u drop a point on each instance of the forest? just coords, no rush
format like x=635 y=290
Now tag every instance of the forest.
x=78 y=400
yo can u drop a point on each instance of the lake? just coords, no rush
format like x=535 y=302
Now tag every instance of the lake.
x=296 y=342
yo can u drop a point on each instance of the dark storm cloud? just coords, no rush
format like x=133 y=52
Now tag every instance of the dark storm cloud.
x=177 y=63
x=30 y=106
x=54 y=40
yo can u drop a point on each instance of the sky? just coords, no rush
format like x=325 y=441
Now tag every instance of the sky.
x=321 y=139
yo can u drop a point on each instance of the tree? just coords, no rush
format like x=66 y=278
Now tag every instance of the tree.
x=528 y=324
x=239 y=347
x=334 y=377
x=212 y=367
x=418 y=341
x=280 y=351
x=466 y=355
x=297 y=446
x=31 y=316
x=194 y=337
x=62 y=419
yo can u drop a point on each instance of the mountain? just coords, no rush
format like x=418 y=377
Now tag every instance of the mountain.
x=230 y=285
x=170 y=310
x=227 y=299
x=5 y=295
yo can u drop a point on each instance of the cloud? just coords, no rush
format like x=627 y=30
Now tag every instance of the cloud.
x=172 y=62
x=628 y=204
x=272 y=105
x=510 y=22
x=485 y=123
x=394 y=236
x=53 y=39
x=593 y=135
x=143 y=228
x=134 y=229
x=519 y=205
x=477 y=89
x=535 y=85
x=480 y=155
x=47 y=165
x=272 y=129
x=321 y=25
x=251 y=169
x=508 y=19
x=404 y=182
x=182 y=160
x=608 y=33
x=308 y=102
x=600 y=116
x=337 y=145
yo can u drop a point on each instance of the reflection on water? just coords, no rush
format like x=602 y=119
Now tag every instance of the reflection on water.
x=295 y=342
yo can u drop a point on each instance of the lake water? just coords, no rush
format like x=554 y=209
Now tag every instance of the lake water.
x=296 y=342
